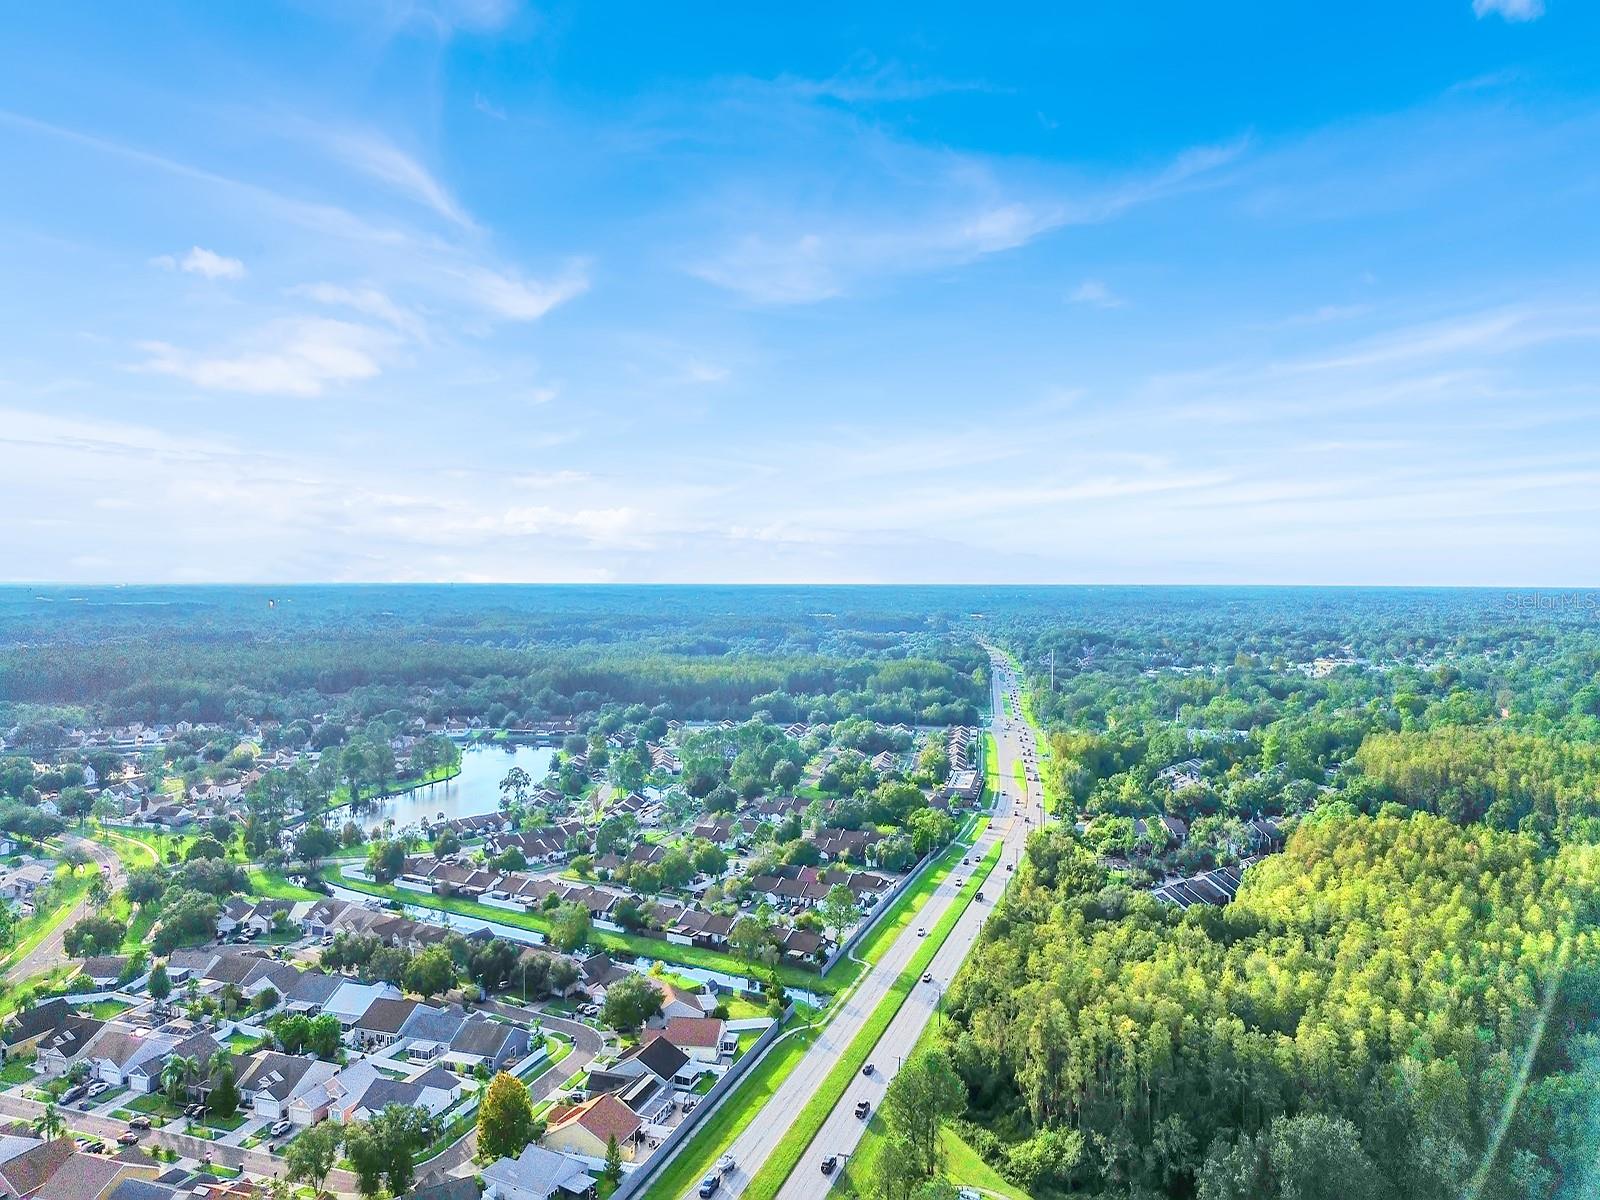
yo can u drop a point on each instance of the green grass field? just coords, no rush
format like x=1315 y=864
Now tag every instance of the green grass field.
x=781 y=1163
x=273 y=886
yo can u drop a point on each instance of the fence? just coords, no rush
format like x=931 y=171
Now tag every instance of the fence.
x=634 y=1182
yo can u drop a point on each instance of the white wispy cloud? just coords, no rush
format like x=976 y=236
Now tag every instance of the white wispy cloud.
x=1095 y=292
x=380 y=159
x=936 y=210
x=1511 y=10
x=371 y=301
x=509 y=295
x=200 y=261
x=290 y=357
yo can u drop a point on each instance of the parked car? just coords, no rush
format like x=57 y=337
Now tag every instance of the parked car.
x=138 y=1122
x=281 y=1127
x=830 y=1164
x=72 y=1093
x=99 y=1089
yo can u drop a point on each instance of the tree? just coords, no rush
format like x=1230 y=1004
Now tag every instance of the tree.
x=505 y=1118
x=205 y=847
x=49 y=1123
x=918 y=1100
x=838 y=910
x=431 y=972
x=613 y=1168
x=314 y=843
x=175 y=1076
x=160 y=984
x=514 y=788
x=1309 y=1157
x=311 y=1156
x=630 y=1002
x=385 y=860
x=224 y=1097
x=382 y=1150
x=570 y=926
x=94 y=934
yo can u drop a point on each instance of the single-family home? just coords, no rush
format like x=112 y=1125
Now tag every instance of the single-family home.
x=537 y=1174
x=587 y=1129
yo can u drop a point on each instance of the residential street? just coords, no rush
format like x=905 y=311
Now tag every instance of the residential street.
x=50 y=952
x=842 y=1130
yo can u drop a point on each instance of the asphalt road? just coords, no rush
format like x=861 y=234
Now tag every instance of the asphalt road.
x=50 y=952
x=842 y=1130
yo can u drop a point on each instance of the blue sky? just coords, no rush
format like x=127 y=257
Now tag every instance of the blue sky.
x=477 y=290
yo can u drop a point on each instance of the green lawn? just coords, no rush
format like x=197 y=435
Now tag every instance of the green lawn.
x=18 y=1070
x=962 y=1166
x=647 y=947
x=155 y=841
x=782 y=1162
x=273 y=886
x=105 y=1009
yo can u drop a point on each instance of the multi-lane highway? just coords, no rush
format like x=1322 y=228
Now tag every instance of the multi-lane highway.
x=1016 y=812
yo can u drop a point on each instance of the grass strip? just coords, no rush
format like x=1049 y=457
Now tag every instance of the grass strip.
x=781 y=1164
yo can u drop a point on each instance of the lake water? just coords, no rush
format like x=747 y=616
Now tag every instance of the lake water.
x=476 y=790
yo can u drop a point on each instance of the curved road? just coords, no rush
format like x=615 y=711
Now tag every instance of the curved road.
x=1014 y=816
x=50 y=952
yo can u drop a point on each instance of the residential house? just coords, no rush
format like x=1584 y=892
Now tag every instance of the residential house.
x=537 y=1174
x=587 y=1129
x=484 y=1042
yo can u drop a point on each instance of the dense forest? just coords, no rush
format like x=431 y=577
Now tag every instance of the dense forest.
x=501 y=656
x=1427 y=992
x=1402 y=1003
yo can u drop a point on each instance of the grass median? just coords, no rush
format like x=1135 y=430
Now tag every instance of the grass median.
x=781 y=1164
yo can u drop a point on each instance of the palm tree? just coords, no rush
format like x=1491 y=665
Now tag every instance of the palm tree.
x=49 y=1124
x=175 y=1076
